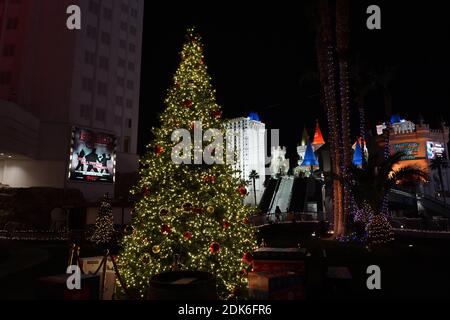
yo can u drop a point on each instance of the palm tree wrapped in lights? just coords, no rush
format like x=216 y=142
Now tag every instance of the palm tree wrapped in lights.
x=368 y=185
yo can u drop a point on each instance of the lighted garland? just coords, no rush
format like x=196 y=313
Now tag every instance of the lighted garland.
x=362 y=131
x=387 y=153
x=191 y=213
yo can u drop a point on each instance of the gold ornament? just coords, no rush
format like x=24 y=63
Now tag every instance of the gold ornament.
x=210 y=209
x=156 y=249
x=145 y=259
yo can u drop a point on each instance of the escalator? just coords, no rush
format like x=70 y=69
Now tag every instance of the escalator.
x=282 y=197
x=268 y=194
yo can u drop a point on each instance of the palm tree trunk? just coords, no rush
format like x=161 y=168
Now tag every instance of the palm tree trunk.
x=254 y=189
x=327 y=70
x=342 y=39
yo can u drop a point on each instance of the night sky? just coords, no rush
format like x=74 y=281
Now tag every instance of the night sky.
x=262 y=58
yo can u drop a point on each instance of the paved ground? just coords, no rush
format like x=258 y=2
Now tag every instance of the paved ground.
x=410 y=268
x=24 y=263
x=418 y=271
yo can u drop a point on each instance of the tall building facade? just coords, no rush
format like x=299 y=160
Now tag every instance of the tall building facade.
x=53 y=78
x=248 y=142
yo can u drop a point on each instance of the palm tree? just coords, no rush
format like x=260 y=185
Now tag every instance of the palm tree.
x=253 y=176
x=438 y=164
x=369 y=184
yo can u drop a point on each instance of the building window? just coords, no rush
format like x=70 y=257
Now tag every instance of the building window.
x=120 y=81
x=134 y=13
x=126 y=144
x=129 y=104
x=91 y=32
x=124 y=26
x=94 y=7
x=133 y=30
x=122 y=44
x=8 y=50
x=129 y=123
x=100 y=114
x=85 y=111
x=106 y=38
x=107 y=13
x=89 y=58
x=102 y=88
x=124 y=8
x=122 y=63
x=12 y=23
x=87 y=84
x=119 y=101
x=132 y=48
x=5 y=77
x=130 y=85
x=103 y=63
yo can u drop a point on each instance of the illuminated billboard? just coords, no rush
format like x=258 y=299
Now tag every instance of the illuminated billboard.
x=410 y=149
x=435 y=149
x=92 y=156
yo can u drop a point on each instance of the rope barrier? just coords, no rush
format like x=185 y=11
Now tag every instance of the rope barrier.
x=75 y=255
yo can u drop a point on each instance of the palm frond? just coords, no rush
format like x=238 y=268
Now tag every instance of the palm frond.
x=387 y=166
x=407 y=175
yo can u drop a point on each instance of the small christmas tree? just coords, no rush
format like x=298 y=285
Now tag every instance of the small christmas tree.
x=379 y=231
x=190 y=216
x=104 y=224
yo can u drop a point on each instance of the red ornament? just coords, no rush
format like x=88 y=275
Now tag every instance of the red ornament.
x=188 y=103
x=165 y=229
x=245 y=221
x=198 y=210
x=187 y=235
x=217 y=114
x=146 y=191
x=159 y=150
x=214 y=248
x=242 y=191
x=226 y=225
x=247 y=258
x=202 y=61
x=209 y=179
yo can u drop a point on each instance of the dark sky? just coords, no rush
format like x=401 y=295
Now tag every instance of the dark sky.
x=262 y=58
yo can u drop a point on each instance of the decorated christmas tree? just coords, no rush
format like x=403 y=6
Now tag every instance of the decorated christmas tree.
x=104 y=224
x=190 y=215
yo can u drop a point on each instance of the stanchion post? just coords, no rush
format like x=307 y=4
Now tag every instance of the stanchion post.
x=105 y=263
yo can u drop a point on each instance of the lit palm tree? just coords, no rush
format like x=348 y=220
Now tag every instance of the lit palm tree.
x=253 y=176
x=369 y=184
x=438 y=164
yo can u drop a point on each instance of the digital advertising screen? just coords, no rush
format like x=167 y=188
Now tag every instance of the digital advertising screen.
x=410 y=149
x=435 y=150
x=93 y=156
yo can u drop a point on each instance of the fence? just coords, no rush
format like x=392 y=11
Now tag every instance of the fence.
x=33 y=235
